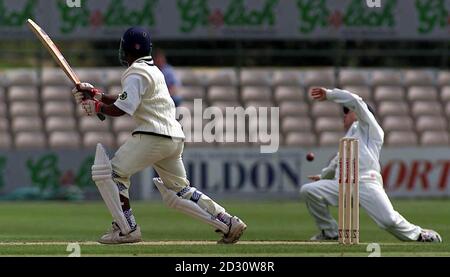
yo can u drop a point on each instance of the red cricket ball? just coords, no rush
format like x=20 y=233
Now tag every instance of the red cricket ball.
x=310 y=157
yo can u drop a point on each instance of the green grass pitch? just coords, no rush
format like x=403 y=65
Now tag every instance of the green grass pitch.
x=275 y=228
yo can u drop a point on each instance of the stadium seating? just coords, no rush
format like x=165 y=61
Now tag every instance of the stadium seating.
x=412 y=106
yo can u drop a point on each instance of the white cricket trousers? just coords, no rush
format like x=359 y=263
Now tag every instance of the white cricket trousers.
x=165 y=156
x=321 y=194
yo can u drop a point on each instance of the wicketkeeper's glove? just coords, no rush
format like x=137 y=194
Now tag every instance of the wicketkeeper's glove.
x=86 y=91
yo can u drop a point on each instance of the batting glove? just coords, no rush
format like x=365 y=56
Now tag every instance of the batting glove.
x=91 y=107
x=86 y=91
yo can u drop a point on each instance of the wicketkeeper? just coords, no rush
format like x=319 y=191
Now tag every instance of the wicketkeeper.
x=158 y=141
x=360 y=123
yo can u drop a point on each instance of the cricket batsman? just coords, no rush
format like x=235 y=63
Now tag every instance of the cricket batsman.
x=158 y=141
x=360 y=123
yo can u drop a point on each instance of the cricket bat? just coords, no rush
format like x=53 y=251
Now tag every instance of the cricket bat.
x=57 y=55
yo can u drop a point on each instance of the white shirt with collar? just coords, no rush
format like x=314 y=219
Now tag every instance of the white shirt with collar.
x=146 y=98
x=368 y=132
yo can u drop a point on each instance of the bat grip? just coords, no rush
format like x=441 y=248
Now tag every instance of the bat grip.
x=101 y=116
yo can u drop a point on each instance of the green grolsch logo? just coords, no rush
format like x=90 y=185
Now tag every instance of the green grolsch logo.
x=116 y=14
x=197 y=13
x=432 y=14
x=314 y=14
x=16 y=18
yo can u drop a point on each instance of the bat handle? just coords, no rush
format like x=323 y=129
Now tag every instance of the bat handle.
x=101 y=116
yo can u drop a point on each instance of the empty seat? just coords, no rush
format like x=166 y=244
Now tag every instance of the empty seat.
x=296 y=124
x=330 y=138
x=422 y=93
x=419 y=78
x=92 y=124
x=223 y=93
x=114 y=76
x=445 y=93
x=3 y=109
x=2 y=95
x=256 y=77
x=319 y=77
x=96 y=77
x=326 y=108
x=58 y=124
x=64 y=140
x=387 y=108
x=444 y=78
x=26 y=124
x=293 y=109
x=91 y=139
x=304 y=139
x=435 y=138
x=397 y=123
x=426 y=108
x=287 y=77
x=22 y=77
x=124 y=124
x=255 y=93
x=447 y=109
x=289 y=93
x=431 y=123
x=362 y=91
x=24 y=109
x=23 y=93
x=189 y=93
x=5 y=141
x=389 y=93
x=329 y=124
x=222 y=77
x=386 y=77
x=190 y=77
x=55 y=77
x=353 y=77
x=58 y=108
x=30 y=140
x=4 y=125
x=401 y=138
x=3 y=81
x=57 y=93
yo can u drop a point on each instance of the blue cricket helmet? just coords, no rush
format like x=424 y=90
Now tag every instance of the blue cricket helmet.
x=135 y=42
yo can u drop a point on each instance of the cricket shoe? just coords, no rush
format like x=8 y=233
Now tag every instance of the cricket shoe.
x=322 y=236
x=237 y=228
x=114 y=236
x=429 y=236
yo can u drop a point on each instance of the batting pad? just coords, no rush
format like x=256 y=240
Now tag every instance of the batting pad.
x=102 y=176
x=187 y=206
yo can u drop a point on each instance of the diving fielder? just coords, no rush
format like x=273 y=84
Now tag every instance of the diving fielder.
x=360 y=123
x=158 y=141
